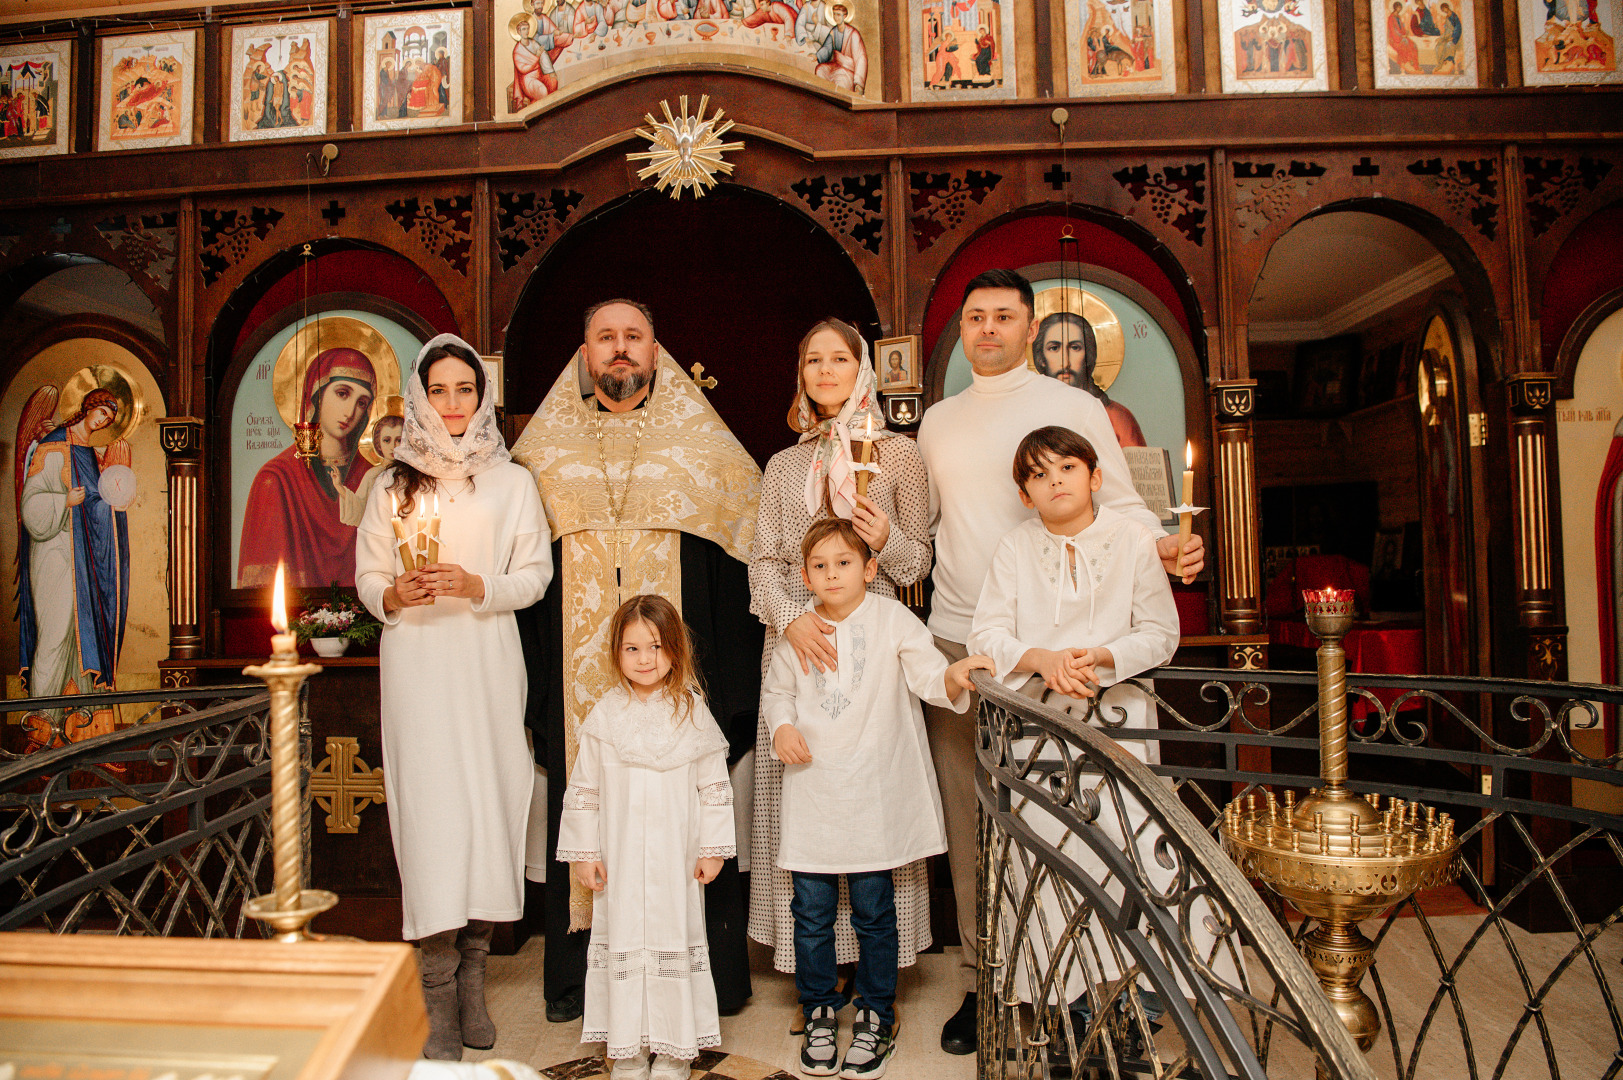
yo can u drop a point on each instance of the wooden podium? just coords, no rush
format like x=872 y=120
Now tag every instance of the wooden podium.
x=119 y=1008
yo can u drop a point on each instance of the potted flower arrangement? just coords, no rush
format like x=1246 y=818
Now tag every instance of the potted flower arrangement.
x=331 y=625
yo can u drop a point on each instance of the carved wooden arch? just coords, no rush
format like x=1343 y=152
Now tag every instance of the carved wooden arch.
x=149 y=351
x=1134 y=232
x=844 y=199
x=252 y=241
x=1479 y=297
x=1577 y=336
x=225 y=322
x=536 y=261
x=131 y=238
x=1544 y=248
x=39 y=263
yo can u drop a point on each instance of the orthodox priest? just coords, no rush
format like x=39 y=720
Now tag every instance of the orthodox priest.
x=646 y=491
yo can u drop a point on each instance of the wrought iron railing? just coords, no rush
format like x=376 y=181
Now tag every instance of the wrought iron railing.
x=1508 y=974
x=158 y=828
x=1116 y=937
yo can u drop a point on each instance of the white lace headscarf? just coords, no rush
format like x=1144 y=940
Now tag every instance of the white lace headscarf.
x=426 y=444
x=833 y=464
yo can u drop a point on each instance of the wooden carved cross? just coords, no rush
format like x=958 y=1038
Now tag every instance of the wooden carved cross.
x=344 y=786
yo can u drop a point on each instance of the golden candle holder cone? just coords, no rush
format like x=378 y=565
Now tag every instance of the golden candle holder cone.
x=1336 y=856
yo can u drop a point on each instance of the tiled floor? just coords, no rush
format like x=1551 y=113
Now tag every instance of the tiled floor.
x=1492 y=1004
x=928 y=994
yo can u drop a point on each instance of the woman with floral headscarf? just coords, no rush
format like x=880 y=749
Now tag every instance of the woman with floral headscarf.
x=836 y=407
x=456 y=769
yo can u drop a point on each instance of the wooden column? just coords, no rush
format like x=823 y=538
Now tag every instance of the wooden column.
x=1238 y=570
x=1537 y=612
x=182 y=440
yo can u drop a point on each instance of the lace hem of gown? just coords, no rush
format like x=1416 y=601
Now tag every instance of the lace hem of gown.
x=682 y=1053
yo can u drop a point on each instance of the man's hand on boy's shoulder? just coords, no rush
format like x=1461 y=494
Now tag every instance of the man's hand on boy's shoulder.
x=1194 y=558
x=790 y=746
x=958 y=679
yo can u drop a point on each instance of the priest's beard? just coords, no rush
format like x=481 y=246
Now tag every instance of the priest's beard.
x=619 y=387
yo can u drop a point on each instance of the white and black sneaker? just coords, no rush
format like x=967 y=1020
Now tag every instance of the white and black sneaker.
x=819 y=1056
x=872 y=1043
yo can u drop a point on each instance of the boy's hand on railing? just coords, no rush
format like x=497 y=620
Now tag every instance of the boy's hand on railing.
x=958 y=679
x=790 y=746
x=591 y=875
x=1058 y=671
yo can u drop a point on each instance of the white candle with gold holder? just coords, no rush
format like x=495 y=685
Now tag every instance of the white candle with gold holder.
x=289 y=907
x=1336 y=856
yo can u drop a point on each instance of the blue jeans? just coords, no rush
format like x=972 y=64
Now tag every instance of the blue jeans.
x=873 y=918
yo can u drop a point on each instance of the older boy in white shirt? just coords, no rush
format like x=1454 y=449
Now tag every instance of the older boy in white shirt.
x=859 y=792
x=1075 y=600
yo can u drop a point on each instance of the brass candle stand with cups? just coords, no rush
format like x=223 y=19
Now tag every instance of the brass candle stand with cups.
x=289 y=907
x=1336 y=856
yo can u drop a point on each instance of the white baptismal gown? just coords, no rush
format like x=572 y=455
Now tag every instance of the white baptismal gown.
x=649 y=797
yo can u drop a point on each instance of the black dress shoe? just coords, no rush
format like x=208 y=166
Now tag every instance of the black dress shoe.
x=958 y=1035
x=567 y=1008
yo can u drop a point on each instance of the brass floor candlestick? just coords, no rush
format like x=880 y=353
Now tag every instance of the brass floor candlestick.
x=289 y=907
x=1336 y=856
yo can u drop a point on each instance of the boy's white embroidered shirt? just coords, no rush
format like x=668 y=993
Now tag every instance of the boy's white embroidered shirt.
x=1115 y=594
x=868 y=799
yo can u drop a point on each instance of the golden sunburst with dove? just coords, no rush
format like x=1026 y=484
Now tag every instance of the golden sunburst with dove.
x=685 y=152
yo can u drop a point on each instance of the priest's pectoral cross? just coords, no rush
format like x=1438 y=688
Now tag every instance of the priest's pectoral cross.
x=619 y=584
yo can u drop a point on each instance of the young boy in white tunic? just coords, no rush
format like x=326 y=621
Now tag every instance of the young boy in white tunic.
x=1077 y=599
x=859 y=792
x=647 y=820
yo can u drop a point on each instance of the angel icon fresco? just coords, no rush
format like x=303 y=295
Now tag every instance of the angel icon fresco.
x=74 y=484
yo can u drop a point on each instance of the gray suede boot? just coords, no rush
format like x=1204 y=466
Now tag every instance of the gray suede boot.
x=437 y=959
x=473 y=942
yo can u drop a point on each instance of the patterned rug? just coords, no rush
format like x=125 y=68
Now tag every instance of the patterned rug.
x=709 y=1065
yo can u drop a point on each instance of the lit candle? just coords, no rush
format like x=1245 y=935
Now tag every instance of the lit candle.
x=283 y=644
x=406 y=560
x=867 y=454
x=1186 y=520
x=434 y=532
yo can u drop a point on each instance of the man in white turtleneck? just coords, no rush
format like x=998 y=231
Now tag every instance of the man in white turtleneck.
x=968 y=443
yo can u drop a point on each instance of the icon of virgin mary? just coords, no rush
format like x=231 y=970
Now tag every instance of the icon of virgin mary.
x=294 y=505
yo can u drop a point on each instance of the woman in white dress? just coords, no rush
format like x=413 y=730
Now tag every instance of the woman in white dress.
x=456 y=770
x=836 y=407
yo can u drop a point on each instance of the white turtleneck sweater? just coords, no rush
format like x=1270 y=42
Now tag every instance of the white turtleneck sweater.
x=968 y=443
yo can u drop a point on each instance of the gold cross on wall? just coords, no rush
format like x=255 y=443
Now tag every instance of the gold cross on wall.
x=344 y=786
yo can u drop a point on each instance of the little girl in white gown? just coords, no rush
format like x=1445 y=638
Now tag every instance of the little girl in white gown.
x=647 y=820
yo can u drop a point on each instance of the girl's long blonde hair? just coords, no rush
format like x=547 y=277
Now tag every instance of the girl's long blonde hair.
x=682 y=681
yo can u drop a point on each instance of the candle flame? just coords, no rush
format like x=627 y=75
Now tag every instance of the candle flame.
x=279 y=603
x=436 y=504
x=1188 y=455
x=868 y=426
x=394 y=504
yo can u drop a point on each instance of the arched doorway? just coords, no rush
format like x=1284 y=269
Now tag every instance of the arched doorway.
x=1368 y=333
x=734 y=280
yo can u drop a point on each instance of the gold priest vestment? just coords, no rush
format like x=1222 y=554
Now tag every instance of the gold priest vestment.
x=619 y=488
